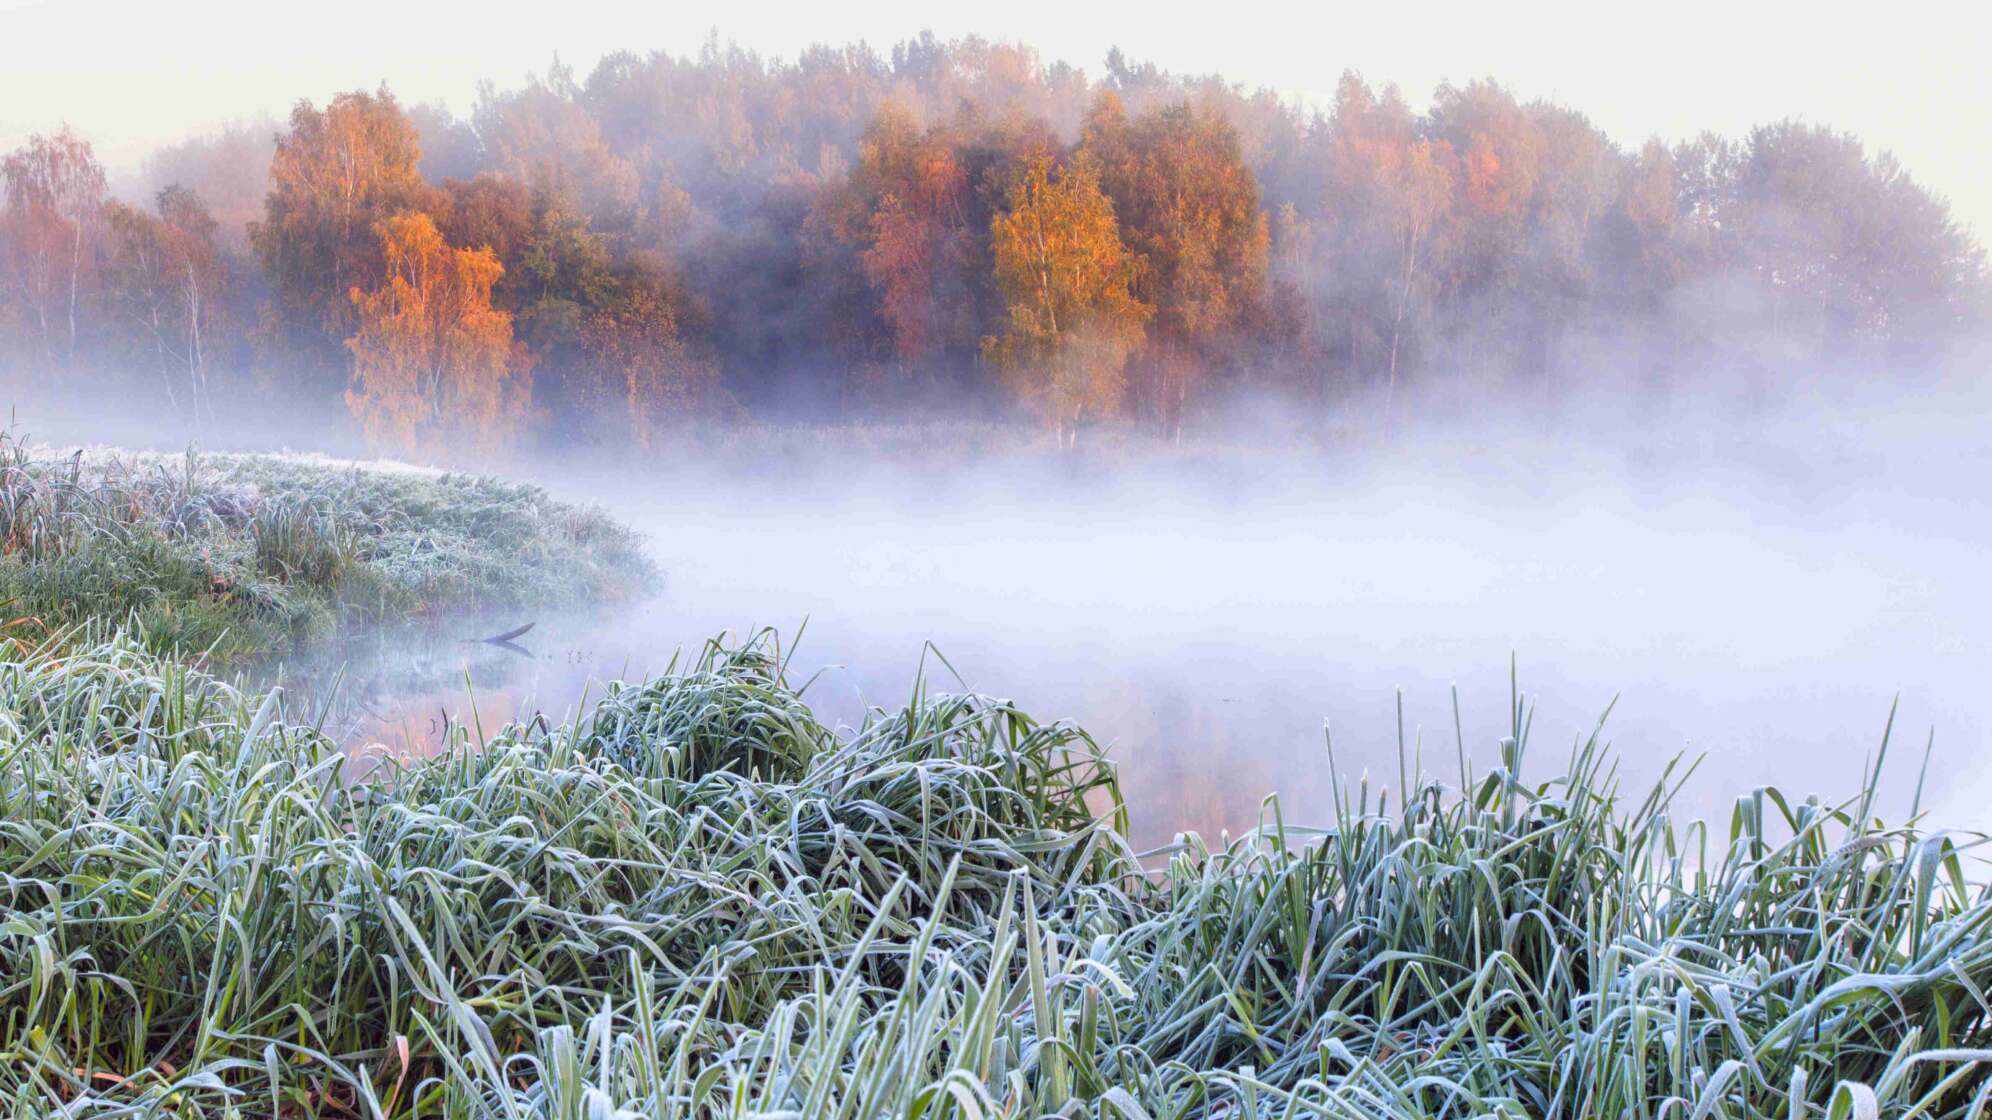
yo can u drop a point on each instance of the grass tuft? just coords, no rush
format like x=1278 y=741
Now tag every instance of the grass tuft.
x=696 y=901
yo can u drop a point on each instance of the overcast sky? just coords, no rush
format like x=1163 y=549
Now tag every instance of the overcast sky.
x=1907 y=77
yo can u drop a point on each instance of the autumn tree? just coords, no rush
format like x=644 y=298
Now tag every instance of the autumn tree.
x=909 y=218
x=641 y=378
x=1067 y=281
x=336 y=176
x=1189 y=206
x=50 y=235
x=1555 y=300
x=1422 y=184
x=167 y=281
x=605 y=326
x=560 y=273
x=735 y=152
x=814 y=234
x=1643 y=225
x=1393 y=194
x=1500 y=162
x=433 y=365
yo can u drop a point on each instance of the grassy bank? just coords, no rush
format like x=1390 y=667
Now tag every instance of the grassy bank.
x=239 y=556
x=696 y=900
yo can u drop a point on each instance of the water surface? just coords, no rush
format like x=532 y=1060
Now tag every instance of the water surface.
x=1205 y=620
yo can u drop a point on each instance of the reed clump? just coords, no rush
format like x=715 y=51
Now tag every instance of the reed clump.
x=697 y=901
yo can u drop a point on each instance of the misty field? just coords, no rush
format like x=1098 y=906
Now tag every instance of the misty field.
x=695 y=899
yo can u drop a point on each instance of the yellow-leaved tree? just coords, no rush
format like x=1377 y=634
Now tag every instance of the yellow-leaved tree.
x=1067 y=282
x=433 y=366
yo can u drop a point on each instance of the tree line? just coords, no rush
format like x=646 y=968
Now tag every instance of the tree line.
x=953 y=228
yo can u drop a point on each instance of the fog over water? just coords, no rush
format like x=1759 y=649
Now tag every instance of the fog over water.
x=1755 y=584
x=1755 y=592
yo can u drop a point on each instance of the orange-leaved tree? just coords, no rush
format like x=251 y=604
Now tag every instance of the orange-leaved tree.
x=334 y=177
x=166 y=280
x=1067 y=282
x=49 y=234
x=433 y=364
x=1189 y=204
x=916 y=188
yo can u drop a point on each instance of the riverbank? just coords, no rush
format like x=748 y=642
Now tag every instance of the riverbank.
x=231 y=558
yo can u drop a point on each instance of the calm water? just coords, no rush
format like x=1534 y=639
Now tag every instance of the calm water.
x=1206 y=622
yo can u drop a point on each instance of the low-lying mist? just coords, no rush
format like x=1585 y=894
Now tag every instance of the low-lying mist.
x=1755 y=584
x=1756 y=593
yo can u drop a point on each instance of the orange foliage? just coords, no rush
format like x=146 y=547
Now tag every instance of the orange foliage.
x=916 y=230
x=1066 y=278
x=335 y=175
x=48 y=239
x=1190 y=207
x=433 y=360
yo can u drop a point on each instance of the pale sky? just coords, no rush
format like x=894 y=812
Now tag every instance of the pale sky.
x=1909 y=77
